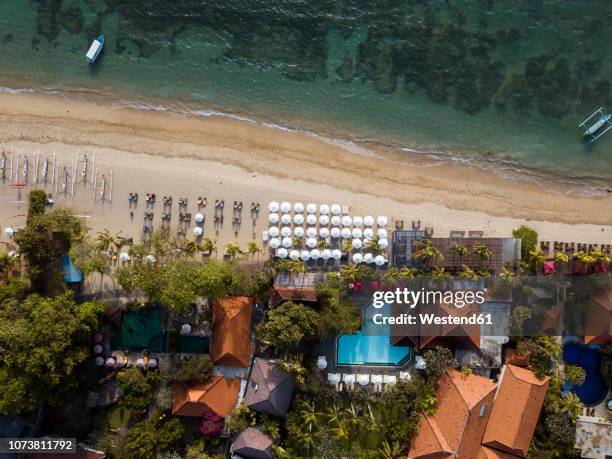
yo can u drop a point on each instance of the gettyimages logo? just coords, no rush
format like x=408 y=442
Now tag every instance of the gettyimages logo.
x=413 y=298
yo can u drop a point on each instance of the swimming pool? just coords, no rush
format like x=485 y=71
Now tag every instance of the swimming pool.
x=594 y=389
x=371 y=345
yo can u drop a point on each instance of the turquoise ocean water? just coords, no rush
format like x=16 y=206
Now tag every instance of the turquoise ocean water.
x=499 y=84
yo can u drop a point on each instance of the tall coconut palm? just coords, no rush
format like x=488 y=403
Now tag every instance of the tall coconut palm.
x=508 y=276
x=571 y=405
x=349 y=273
x=389 y=451
x=561 y=257
x=209 y=246
x=347 y=246
x=483 y=252
x=536 y=258
x=6 y=264
x=253 y=249
x=460 y=250
x=468 y=273
x=233 y=250
x=190 y=248
x=373 y=246
x=428 y=253
x=322 y=244
x=309 y=418
x=105 y=240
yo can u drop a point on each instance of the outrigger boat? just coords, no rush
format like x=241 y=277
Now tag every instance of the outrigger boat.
x=602 y=122
x=94 y=49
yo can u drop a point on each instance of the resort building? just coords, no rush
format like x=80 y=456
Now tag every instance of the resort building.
x=593 y=437
x=218 y=394
x=477 y=419
x=269 y=389
x=252 y=443
x=599 y=319
x=231 y=334
x=504 y=251
x=297 y=287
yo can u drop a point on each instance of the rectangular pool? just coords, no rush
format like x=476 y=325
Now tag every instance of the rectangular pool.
x=371 y=345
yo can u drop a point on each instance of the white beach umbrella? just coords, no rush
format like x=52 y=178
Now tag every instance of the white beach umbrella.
x=324 y=220
x=382 y=221
x=294 y=255
x=99 y=361
x=345 y=233
x=124 y=256
x=357 y=233
x=298 y=232
x=8 y=231
x=311 y=242
x=282 y=252
x=358 y=222
x=382 y=233
x=363 y=379
x=287 y=242
x=110 y=362
x=323 y=233
x=152 y=363
x=336 y=254
x=298 y=207
x=273 y=231
x=199 y=218
x=335 y=220
x=305 y=255
x=273 y=206
x=357 y=244
x=311 y=219
x=335 y=233
x=98 y=348
x=324 y=209
x=315 y=254
x=285 y=231
x=368 y=220
x=274 y=243
x=326 y=254
x=298 y=219
x=311 y=208
x=311 y=232
x=197 y=231
x=368 y=232
x=285 y=207
x=322 y=362
x=273 y=218
x=150 y=259
x=379 y=260
x=383 y=243
x=333 y=378
x=286 y=219
x=347 y=221
x=185 y=329
x=368 y=258
x=357 y=258
x=140 y=363
x=336 y=209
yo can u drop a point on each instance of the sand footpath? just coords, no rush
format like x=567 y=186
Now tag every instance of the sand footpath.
x=219 y=158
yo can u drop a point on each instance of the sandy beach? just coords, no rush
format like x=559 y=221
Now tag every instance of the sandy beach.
x=219 y=158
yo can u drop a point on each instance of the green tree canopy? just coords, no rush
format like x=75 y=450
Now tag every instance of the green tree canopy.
x=439 y=360
x=138 y=387
x=196 y=369
x=529 y=240
x=42 y=343
x=287 y=325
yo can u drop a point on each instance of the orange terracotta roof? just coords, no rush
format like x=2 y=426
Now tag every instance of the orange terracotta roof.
x=599 y=319
x=231 y=335
x=489 y=453
x=514 y=358
x=218 y=394
x=459 y=422
x=515 y=411
x=282 y=294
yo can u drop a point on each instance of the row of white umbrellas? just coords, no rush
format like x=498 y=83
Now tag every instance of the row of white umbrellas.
x=326 y=254
x=298 y=207
x=368 y=258
x=324 y=233
x=324 y=220
x=312 y=242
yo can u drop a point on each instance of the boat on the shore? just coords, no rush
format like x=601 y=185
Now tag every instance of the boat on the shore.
x=602 y=121
x=95 y=49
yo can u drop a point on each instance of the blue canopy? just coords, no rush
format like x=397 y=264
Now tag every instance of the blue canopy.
x=72 y=275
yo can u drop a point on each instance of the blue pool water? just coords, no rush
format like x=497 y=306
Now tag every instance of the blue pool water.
x=594 y=388
x=371 y=345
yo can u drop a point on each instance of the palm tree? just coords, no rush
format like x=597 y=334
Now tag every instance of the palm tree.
x=322 y=244
x=209 y=246
x=571 y=405
x=349 y=273
x=309 y=421
x=105 y=240
x=468 y=273
x=190 y=248
x=536 y=257
x=460 y=250
x=253 y=249
x=483 y=252
x=233 y=250
x=6 y=264
x=440 y=274
x=561 y=257
x=508 y=276
x=600 y=258
x=347 y=246
x=388 y=451
x=428 y=253
x=373 y=246
x=336 y=417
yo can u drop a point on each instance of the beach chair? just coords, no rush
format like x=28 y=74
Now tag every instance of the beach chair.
x=475 y=233
x=363 y=379
x=390 y=380
x=405 y=376
x=264 y=235
x=416 y=224
x=345 y=210
x=455 y=233
x=429 y=231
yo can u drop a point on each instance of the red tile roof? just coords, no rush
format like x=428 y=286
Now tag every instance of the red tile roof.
x=218 y=394
x=231 y=335
x=516 y=411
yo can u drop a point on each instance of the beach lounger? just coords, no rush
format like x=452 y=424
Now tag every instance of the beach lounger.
x=377 y=381
x=363 y=379
x=334 y=379
x=390 y=380
x=264 y=235
x=475 y=233
x=456 y=233
x=345 y=210
x=405 y=376
x=349 y=380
